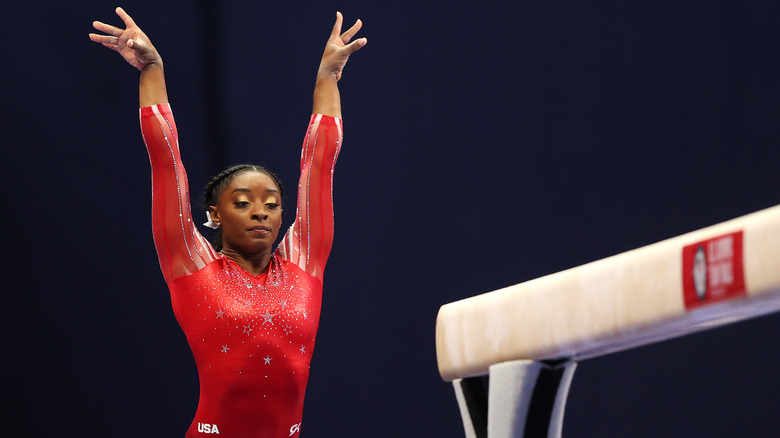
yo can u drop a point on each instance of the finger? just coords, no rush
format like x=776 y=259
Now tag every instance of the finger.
x=138 y=46
x=356 y=45
x=346 y=36
x=103 y=39
x=107 y=28
x=125 y=17
x=337 y=26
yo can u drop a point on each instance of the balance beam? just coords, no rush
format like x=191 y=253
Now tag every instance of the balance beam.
x=698 y=281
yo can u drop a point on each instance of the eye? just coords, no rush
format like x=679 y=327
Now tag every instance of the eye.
x=271 y=205
x=241 y=204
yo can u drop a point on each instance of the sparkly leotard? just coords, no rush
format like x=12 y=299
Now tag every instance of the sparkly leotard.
x=252 y=336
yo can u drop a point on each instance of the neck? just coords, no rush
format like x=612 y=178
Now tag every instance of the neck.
x=254 y=264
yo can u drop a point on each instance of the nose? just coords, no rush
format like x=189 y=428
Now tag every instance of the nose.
x=260 y=213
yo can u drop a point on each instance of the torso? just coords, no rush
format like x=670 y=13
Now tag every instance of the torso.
x=252 y=338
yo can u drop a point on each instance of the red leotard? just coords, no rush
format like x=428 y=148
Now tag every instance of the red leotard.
x=252 y=336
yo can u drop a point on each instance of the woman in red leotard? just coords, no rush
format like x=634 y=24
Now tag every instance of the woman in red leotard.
x=249 y=312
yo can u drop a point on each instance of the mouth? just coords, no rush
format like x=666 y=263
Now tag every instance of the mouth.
x=260 y=230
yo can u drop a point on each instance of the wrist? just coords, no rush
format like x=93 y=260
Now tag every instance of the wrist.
x=155 y=63
x=326 y=75
x=151 y=87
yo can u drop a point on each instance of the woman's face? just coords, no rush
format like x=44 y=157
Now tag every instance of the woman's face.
x=250 y=213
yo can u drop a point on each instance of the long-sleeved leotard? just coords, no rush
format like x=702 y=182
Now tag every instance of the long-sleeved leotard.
x=252 y=336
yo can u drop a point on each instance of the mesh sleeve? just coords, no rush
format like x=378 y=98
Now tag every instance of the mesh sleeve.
x=181 y=249
x=308 y=241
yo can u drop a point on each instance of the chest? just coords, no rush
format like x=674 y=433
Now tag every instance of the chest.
x=223 y=301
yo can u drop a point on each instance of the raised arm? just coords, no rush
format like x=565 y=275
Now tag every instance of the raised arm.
x=180 y=248
x=327 y=100
x=309 y=240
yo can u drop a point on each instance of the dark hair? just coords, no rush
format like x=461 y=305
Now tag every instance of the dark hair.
x=215 y=187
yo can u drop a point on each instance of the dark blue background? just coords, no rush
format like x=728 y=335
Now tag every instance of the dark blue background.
x=485 y=145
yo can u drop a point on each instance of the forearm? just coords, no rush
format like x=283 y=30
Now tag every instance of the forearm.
x=327 y=99
x=151 y=88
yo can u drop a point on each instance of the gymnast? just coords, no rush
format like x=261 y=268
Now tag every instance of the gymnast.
x=249 y=312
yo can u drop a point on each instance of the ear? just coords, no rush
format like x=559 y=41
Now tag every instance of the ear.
x=214 y=212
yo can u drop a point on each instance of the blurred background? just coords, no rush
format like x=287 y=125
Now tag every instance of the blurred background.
x=486 y=144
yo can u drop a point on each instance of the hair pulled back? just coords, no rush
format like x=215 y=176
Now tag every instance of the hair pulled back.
x=217 y=185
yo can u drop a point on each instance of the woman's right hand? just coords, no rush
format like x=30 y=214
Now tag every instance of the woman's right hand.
x=131 y=42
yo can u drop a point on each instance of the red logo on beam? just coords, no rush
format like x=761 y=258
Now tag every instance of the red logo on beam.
x=713 y=271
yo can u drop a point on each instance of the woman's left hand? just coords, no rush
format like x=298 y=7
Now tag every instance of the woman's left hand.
x=337 y=49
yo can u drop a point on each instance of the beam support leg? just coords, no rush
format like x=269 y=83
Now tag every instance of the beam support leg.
x=519 y=399
x=472 y=396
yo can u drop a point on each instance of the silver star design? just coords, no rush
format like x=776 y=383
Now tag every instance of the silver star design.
x=303 y=349
x=287 y=329
x=284 y=304
x=267 y=360
x=225 y=348
x=247 y=329
x=268 y=317
x=247 y=302
x=219 y=313
x=305 y=315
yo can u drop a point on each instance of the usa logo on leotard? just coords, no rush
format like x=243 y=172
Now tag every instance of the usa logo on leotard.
x=208 y=428
x=295 y=429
